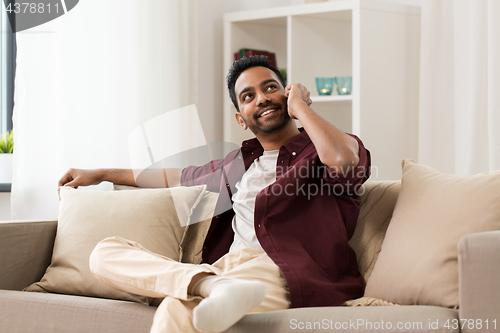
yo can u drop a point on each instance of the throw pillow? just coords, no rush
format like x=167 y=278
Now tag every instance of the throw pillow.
x=418 y=261
x=192 y=244
x=147 y=216
x=378 y=199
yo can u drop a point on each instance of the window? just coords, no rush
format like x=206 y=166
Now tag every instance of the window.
x=7 y=71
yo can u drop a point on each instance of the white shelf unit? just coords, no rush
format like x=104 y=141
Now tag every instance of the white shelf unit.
x=376 y=43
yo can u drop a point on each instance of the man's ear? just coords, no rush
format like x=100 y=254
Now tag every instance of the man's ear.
x=240 y=120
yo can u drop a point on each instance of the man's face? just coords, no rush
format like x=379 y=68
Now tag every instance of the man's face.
x=261 y=100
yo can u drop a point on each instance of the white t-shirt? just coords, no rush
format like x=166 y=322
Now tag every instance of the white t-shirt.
x=260 y=174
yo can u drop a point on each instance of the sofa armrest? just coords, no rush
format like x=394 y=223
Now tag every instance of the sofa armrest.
x=479 y=285
x=25 y=252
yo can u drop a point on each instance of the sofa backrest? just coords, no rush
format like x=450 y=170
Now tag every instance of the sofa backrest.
x=25 y=252
x=378 y=199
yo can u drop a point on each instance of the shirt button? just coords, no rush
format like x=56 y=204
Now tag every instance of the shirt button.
x=281 y=161
x=259 y=225
x=294 y=153
x=252 y=153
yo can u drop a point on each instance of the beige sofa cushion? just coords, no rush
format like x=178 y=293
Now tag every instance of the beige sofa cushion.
x=49 y=313
x=146 y=216
x=341 y=319
x=53 y=313
x=418 y=262
x=192 y=244
x=377 y=204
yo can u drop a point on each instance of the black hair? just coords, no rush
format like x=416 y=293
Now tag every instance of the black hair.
x=239 y=66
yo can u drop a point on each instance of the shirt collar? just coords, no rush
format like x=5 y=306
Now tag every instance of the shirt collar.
x=298 y=142
x=294 y=145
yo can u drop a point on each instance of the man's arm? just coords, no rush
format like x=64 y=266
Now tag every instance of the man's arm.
x=335 y=148
x=149 y=178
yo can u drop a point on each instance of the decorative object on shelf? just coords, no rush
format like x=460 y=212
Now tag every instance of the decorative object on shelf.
x=245 y=53
x=6 y=149
x=324 y=85
x=343 y=84
x=283 y=74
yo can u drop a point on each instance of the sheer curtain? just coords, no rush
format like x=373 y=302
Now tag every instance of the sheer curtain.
x=86 y=80
x=460 y=86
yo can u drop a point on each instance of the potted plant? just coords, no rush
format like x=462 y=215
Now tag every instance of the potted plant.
x=6 y=149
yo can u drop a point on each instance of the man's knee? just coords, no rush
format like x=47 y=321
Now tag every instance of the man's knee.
x=102 y=251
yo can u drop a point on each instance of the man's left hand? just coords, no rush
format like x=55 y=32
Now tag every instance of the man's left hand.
x=296 y=93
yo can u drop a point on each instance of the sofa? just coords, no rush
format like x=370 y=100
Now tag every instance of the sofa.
x=26 y=250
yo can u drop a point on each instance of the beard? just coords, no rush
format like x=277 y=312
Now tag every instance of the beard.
x=279 y=120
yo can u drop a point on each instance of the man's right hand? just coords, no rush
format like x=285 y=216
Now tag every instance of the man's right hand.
x=79 y=177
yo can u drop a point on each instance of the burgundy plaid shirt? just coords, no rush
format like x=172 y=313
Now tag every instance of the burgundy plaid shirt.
x=303 y=220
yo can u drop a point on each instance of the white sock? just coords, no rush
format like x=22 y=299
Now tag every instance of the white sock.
x=227 y=301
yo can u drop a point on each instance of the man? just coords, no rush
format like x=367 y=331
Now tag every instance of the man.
x=295 y=207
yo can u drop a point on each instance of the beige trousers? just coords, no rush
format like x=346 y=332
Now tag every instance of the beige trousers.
x=127 y=266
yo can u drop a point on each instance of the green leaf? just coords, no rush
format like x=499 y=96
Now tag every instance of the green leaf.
x=7 y=143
